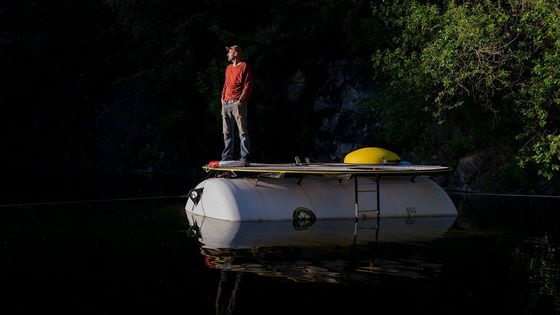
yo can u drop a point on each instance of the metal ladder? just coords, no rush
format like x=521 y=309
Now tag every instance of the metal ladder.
x=357 y=192
x=357 y=209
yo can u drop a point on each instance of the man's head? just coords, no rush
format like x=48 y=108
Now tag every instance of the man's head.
x=234 y=52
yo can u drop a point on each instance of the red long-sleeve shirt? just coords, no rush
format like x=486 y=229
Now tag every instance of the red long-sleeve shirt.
x=238 y=82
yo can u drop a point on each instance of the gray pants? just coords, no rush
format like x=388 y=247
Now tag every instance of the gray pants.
x=232 y=116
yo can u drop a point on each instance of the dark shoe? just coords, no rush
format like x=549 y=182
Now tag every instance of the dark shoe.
x=245 y=161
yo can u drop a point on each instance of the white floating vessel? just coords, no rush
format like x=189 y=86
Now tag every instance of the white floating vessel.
x=305 y=192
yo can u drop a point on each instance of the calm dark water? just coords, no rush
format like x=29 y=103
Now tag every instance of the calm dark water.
x=501 y=255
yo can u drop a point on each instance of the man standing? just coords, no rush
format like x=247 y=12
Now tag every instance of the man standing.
x=235 y=94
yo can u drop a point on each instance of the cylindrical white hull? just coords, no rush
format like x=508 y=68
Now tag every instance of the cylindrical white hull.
x=270 y=199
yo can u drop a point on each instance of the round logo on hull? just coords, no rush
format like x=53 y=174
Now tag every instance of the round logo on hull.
x=303 y=218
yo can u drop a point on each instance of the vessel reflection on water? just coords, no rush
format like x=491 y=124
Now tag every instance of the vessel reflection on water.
x=332 y=251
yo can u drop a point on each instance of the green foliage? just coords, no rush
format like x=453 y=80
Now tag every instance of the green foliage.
x=539 y=97
x=494 y=61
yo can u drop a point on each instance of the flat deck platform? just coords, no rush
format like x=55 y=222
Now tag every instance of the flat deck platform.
x=332 y=169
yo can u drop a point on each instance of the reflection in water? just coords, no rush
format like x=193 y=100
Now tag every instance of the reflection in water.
x=538 y=260
x=328 y=251
x=501 y=256
x=227 y=290
x=333 y=251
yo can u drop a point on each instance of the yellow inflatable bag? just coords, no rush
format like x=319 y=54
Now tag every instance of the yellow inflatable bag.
x=372 y=155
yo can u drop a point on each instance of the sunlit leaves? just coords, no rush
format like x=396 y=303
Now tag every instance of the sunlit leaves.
x=502 y=57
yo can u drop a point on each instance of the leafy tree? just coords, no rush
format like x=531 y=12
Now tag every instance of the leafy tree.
x=482 y=68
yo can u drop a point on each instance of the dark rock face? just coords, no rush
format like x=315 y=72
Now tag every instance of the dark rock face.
x=336 y=103
x=474 y=173
x=467 y=173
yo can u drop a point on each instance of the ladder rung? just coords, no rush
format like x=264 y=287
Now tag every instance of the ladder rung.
x=372 y=210
x=367 y=190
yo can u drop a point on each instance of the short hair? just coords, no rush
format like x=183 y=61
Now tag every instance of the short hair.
x=236 y=48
